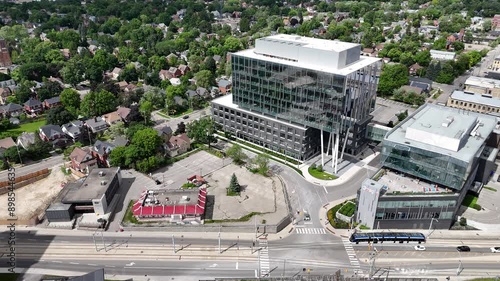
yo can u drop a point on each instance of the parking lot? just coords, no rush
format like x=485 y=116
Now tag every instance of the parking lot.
x=172 y=177
x=200 y=163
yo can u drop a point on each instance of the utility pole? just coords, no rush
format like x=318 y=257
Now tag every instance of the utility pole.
x=173 y=243
x=220 y=252
x=373 y=257
x=430 y=226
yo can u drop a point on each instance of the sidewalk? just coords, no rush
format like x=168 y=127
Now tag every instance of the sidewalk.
x=342 y=179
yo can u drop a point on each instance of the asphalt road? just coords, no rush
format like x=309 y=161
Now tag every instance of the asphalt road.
x=24 y=170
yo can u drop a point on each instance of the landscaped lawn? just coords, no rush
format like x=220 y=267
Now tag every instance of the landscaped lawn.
x=469 y=200
x=28 y=127
x=321 y=175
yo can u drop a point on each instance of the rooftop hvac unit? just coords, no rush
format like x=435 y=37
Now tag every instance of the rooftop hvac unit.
x=103 y=183
x=101 y=174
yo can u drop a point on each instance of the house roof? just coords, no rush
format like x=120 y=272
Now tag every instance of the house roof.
x=116 y=70
x=166 y=130
x=123 y=111
x=224 y=83
x=182 y=138
x=409 y=89
x=51 y=130
x=96 y=122
x=26 y=139
x=201 y=91
x=120 y=141
x=11 y=107
x=7 y=142
x=103 y=147
x=112 y=117
x=73 y=127
x=53 y=100
x=179 y=100
x=32 y=102
x=191 y=93
x=78 y=154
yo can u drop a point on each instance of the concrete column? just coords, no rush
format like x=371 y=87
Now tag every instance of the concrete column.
x=336 y=152
x=329 y=142
x=322 y=150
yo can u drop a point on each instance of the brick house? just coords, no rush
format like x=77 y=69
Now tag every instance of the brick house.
x=33 y=106
x=52 y=102
x=177 y=145
x=224 y=85
x=82 y=160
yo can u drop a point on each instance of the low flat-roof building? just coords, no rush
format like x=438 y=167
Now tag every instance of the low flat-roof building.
x=474 y=102
x=95 y=192
x=483 y=86
x=182 y=206
x=442 y=55
x=430 y=160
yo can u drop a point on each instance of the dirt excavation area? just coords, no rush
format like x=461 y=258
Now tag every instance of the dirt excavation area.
x=34 y=198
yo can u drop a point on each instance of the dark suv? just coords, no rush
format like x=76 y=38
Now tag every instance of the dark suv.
x=463 y=249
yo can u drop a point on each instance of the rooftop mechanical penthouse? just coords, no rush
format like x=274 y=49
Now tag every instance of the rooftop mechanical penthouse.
x=300 y=96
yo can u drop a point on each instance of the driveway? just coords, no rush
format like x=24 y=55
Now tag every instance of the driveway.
x=161 y=121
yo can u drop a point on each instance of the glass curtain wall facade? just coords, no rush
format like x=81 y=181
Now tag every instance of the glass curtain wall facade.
x=312 y=98
x=425 y=164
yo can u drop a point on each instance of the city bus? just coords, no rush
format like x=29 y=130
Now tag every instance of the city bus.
x=376 y=237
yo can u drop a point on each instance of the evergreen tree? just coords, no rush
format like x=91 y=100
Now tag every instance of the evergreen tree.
x=234 y=186
x=433 y=70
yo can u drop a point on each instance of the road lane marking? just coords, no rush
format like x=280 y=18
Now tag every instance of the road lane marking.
x=74 y=263
x=91 y=264
x=325 y=189
x=57 y=261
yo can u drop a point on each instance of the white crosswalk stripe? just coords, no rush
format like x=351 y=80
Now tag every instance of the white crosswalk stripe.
x=263 y=257
x=353 y=259
x=310 y=231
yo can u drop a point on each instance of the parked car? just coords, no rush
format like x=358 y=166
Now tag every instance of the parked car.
x=419 y=248
x=495 y=249
x=185 y=117
x=463 y=248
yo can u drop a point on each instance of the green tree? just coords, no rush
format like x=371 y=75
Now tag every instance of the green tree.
x=146 y=141
x=393 y=77
x=116 y=130
x=423 y=58
x=98 y=103
x=155 y=96
x=433 y=70
x=262 y=163
x=234 y=186
x=133 y=128
x=205 y=79
x=201 y=130
x=232 y=44
x=236 y=152
x=73 y=71
x=145 y=109
x=406 y=58
x=439 y=44
x=70 y=100
x=59 y=116
x=118 y=157
x=487 y=25
x=11 y=154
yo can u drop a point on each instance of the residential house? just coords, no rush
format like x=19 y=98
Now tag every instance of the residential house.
x=367 y=52
x=112 y=118
x=191 y=94
x=422 y=83
x=66 y=53
x=177 y=145
x=96 y=125
x=202 y=92
x=4 y=94
x=130 y=88
x=52 y=102
x=414 y=68
x=73 y=129
x=115 y=73
x=495 y=23
x=25 y=140
x=11 y=109
x=180 y=101
x=184 y=69
x=175 y=72
x=33 y=106
x=171 y=57
x=101 y=151
x=6 y=144
x=122 y=85
x=124 y=113
x=165 y=75
x=82 y=160
x=224 y=85
x=53 y=134
x=165 y=133
x=217 y=58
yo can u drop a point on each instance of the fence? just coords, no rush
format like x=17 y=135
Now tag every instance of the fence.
x=21 y=181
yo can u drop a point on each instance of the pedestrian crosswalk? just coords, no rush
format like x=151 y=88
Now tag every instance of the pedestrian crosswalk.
x=263 y=257
x=304 y=230
x=353 y=259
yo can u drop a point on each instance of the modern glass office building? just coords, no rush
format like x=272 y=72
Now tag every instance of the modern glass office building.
x=320 y=85
x=430 y=160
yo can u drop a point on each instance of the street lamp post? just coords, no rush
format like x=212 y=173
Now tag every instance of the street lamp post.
x=430 y=226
